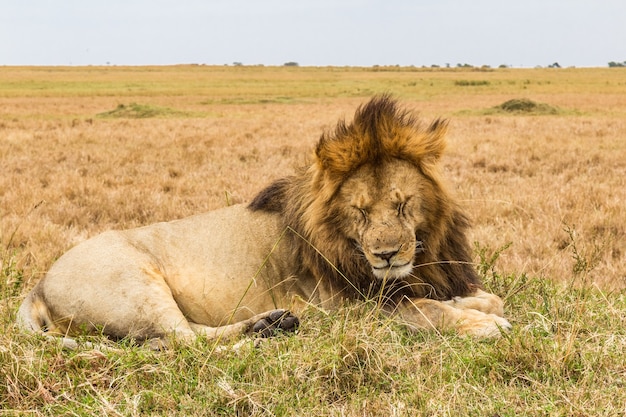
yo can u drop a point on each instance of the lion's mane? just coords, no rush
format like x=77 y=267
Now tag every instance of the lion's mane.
x=380 y=131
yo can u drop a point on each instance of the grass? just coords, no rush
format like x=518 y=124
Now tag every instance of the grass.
x=525 y=106
x=141 y=111
x=256 y=100
x=545 y=193
x=565 y=357
x=471 y=83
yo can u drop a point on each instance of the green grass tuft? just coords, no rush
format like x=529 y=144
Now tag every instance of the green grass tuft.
x=471 y=83
x=254 y=100
x=563 y=357
x=525 y=106
x=141 y=111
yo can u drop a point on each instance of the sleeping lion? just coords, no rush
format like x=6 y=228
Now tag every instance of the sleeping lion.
x=368 y=219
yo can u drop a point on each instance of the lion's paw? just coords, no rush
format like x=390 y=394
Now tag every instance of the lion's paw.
x=481 y=301
x=276 y=321
x=484 y=325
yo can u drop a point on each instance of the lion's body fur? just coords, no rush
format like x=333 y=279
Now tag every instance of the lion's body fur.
x=369 y=217
x=149 y=281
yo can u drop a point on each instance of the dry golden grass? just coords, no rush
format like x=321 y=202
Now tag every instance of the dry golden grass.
x=524 y=179
x=550 y=186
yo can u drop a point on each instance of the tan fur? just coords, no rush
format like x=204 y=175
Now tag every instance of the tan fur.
x=368 y=217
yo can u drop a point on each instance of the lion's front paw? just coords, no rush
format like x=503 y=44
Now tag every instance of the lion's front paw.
x=483 y=325
x=276 y=321
x=481 y=301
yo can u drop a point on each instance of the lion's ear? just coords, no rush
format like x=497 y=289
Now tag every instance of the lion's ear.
x=433 y=143
x=340 y=152
x=323 y=155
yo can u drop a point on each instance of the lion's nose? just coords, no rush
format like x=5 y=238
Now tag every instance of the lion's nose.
x=386 y=255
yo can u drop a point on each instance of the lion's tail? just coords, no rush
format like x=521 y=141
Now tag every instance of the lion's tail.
x=34 y=315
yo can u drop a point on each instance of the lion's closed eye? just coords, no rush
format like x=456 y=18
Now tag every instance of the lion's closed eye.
x=363 y=213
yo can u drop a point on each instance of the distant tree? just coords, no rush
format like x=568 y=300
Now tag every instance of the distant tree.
x=555 y=65
x=613 y=64
x=290 y=64
x=237 y=64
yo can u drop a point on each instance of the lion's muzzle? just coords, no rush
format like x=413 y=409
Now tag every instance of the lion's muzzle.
x=389 y=248
x=391 y=263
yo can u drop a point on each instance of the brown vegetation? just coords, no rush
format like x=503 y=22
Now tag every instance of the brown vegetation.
x=545 y=192
x=525 y=180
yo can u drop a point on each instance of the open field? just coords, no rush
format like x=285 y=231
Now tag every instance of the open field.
x=87 y=149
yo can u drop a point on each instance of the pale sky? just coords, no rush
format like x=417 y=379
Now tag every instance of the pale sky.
x=522 y=33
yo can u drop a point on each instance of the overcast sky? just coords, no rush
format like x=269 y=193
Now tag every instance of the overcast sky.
x=522 y=33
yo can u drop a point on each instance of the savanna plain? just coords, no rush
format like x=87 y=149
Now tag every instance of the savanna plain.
x=543 y=178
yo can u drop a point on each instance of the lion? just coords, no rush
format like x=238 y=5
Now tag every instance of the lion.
x=368 y=219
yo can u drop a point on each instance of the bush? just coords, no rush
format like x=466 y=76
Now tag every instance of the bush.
x=471 y=83
x=524 y=105
x=141 y=111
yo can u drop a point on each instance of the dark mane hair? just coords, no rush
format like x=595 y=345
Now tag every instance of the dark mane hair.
x=380 y=131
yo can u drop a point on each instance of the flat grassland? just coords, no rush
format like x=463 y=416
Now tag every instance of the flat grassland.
x=86 y=149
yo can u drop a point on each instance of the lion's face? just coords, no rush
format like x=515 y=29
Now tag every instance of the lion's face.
x=382 y=208
x=372 y=207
